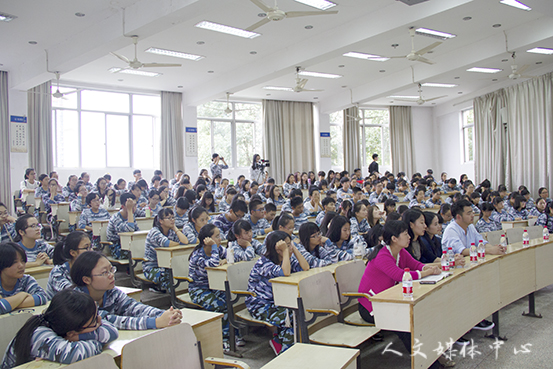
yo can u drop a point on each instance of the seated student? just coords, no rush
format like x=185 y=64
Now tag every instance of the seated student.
x=546 y=219
x=402 y=187
x=79 y=204
x=544 y=194
x=224 y=204
x=176 y=179
x=53 y=197
x=120 y=187
x=260 y=226
x=143 y=186
x=242 y=243
x=418 y=201
x=475 y=199
x=530 y=203
x=37 y=250
x=374 y=215
x=325 y=223
x=181 y=212
x=214 y=184
x=65 y=254
x=451 y=186
x=69 y=190
x=436 y=200
x=390 y=188
x=238 y=209
x=270 y=212
x=323 y=186
x=499 y=214
x=385 y=269
x=329 y=204
x=220 y=190
x=300 y=216
x=164 y=233
x=357 y=195
x=153 y=204
x=321 y=175
x=141 y=200
x=263 y=191
x=315 y=248
x=445 y=212
x=461 y=232
x=379 y=193
x=92 y=212
x=345 y=209
x=208 y=202
x=389 y=206
x=345 y=192
x=249 y=190
x=154 y=185
x=101 y=188
x=42 y=189
x=485 y=224
x=443 y=179
x=339 y=234
x=536 y=211
x=289 y=184
x=367 y=188
x=165 y=199
x=502 y=190
x=17 y=289
x=7 y=225
x=518 y=210
x=295 y=192
x=510 y=201
x=432 y=240
x=137 y=174
x=68 y=331
x=197 y=218
x=94 y=275
x=122 y=221
x=275 y=197
x=29 y=183
x=359 y=222
x=312 y=204
x=281 y=259
x=209 y=253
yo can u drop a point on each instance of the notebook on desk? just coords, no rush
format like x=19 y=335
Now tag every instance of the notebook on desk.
x=432 y=279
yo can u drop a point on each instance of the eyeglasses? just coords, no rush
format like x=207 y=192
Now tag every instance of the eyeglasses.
x=106 y=273
x=169 y=218
x=316 y=235
x=94 y=322
x=89 y=248
x=35 y=226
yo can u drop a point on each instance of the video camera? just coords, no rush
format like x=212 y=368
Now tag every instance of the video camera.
x=262 y=164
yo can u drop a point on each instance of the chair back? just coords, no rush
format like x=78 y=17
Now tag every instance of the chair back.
x=9 y=326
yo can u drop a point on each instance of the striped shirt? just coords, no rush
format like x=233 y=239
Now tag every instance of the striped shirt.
x=24 y=284
x=117 y=224
x=87 y=216
x=357 y=227
x=156 y=239
x=199 y=261
x=59 y=279
x=40 y=246
x=248 y=253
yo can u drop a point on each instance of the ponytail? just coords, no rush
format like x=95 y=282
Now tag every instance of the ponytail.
x=205 y=232
x=62 y=250
x=238 y=226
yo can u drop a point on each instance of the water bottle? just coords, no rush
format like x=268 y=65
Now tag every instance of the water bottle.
x=358 y=250
x=148 y=212
x=407 y=283
x=481 y=251
x=451 y=258
x=473 y=254
x=503 y=241
x=445 y=262
x=545 y=233
x=525 y=239
x=230 y=255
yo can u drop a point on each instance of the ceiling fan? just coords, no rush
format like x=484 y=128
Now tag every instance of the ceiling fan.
x=299 y=87
x=136 y=64
x=420 y=99
x=57 y=94
x=356 y=105
x=516 y=72
x=275 y=14
x=418 y=55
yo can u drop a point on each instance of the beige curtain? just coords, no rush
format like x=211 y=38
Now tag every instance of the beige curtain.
x=5 y=179
x=288 y=137
x=352 y=154
x=39 y=112
x=526 y=146
x=491 y=150
x=172 y=136
x=401 y=139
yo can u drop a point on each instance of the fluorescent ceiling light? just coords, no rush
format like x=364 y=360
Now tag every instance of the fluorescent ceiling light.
x=276 y=88
x=431 y=84
x=176 y=54
x=403 y=97
x=318 y=74
x=541 y=50
x=354 y=54
x=319 y=4
x=433 y=33
x=227 y=29
x=6 y=17
x=484 y=70
x=516 y=4
x=134 y=71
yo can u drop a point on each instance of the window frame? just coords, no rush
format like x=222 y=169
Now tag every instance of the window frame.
x=465 y=153
x=362 y=140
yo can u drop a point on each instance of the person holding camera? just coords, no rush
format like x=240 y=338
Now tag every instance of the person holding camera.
x=257 y=173
x=215 y=167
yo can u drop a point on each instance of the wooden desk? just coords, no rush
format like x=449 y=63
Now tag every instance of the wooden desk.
x=175 y=258
x=145 y=224
x=61 y=210
x=40 y=273
x=135 y=242
x=99 y=228
x=286 y=289
x=74 y=217
x=217 y=276
x=302 y=355
x=470 y=295
x=514 y=224
x=205 y=324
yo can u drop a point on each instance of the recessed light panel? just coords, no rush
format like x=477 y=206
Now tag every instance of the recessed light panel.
x=227 y=29
x=176 y=54
x=541 y=50
x=318 y=74
x=484 y=70
x=354 y=54
x=430 y=84
x=433 y=33
x=516 y=4
x=319 y=4
x=277 y=88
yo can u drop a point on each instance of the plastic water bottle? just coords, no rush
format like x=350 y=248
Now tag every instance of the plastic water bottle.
x=503 y=241
x=148 y=212
x=358 y=250
x=407 y=283
x=445 y=262
x=451 y=257
x=230 y=255
x=525 y=239
x=473 y=254
x=481 y=251
x=545 y=234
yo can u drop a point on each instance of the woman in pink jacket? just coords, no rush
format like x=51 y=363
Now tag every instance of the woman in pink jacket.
x=385 y=269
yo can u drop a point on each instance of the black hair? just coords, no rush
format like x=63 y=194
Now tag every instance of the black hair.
x=62 y=250
x=156 y=178
x=272 y=193
x=321 y=173
x=457 y=208
x=238 y=205
x=486 y=206
x=518 y=202
x=8 y=254
x=524 y=192
x=312 y=189
x=444 y=208
x=270 y=207
x=91 y=196
x=124 y=197
x=306 y=231
x=27 y=172
x=244 y=184
x=497 y=200
x=344 y=180
x=142 y=184
x=375 y=156
x=82 y=267
x=254 y=203
x=288 y=177
x=392 y=228
x=372 y=237
x=195 y=213
x=238 y=226
x=162 y=214
x=208 y=195
x=327 y=200
x=388 y=203
x=136 y=171
x=330 y=215
x=21 y=224
x=206 y=231
x=295 y=192
x=501 y=188
x=295 y=201
x=182 y=203
x=402 y=209
x=322 y=183
x=541 y=189
x=356 y=208
x=283 y=220
x=41 y=177
x=346 y=206
x=158 y=172
x=411 y=216
x=68 y=311
x=394 y=215
x=548 y=208
x=152 y=193
x=191 y=196
x=270 y=242
x=334 y=232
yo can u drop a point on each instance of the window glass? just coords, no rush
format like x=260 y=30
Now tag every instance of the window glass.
x=118 y=141
x=245 y=139
x=222 y=140
x=93 y=140
x=204 y=143
x=104 y=101
x=66 y=138
x=214 y=109
x=146 y=104
x=143 y=141
x=336 y=143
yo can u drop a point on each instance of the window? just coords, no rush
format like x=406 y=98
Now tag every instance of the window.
x=101 y=129
x=374 y=137
x=234 y=135
x=467 y=117
x=336 y=142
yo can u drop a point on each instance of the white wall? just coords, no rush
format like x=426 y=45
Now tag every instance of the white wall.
x=424 y=150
